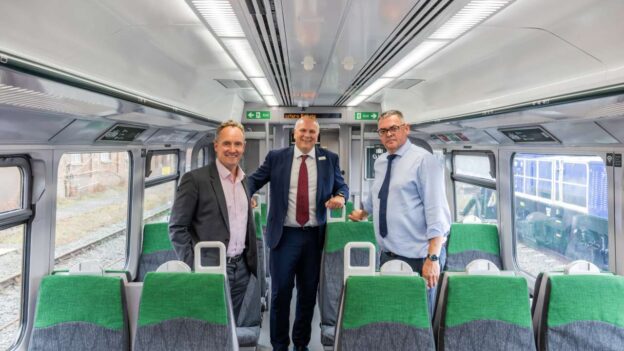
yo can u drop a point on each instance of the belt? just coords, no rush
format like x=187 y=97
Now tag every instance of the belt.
x=233 y=259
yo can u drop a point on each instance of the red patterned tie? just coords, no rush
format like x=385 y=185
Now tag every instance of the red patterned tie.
x=303 y=212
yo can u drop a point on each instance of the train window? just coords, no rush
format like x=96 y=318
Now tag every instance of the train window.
x=189 y=159
x=158 y=202
x=162 y=164
x=560 y=211
x=200 y=158
x=92 y=209
x=474 y=184
x=160 y=185
x=15 y=213
x=10 y=189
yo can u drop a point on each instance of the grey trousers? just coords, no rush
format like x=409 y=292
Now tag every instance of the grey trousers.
x=238 y=278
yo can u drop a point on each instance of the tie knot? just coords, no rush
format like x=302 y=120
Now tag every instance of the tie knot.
x=304 y=157
x=392 y=157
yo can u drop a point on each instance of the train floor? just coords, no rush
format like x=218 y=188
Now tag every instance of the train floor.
x=264 y=343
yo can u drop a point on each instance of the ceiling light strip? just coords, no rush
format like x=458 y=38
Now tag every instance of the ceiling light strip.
x=221 y=18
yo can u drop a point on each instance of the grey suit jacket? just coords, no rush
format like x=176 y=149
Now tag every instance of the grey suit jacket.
x=199 y=213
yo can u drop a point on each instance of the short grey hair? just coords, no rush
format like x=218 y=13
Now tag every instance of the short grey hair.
x=308 y=117
x=391 y=113
x=229 y=123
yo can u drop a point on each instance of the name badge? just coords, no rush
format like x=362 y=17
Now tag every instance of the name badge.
x=322 y=158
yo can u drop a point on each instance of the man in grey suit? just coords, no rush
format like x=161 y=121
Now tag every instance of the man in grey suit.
x=212 y=204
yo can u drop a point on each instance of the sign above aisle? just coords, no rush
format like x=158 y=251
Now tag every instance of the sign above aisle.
x=317 y=115
x=258 y=114
x=366 y=116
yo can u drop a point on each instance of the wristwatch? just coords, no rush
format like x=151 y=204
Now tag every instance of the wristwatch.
x=433 y=258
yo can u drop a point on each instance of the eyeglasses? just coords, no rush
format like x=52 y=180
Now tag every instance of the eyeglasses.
x=394 y=129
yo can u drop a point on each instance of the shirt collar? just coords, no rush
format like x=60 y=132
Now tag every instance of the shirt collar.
x=311 y=154
x=403 y=149
x=225 y=173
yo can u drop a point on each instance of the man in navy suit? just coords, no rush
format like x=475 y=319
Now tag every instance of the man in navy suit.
x=304 y=181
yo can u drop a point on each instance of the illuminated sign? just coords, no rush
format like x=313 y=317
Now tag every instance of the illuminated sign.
x=320 y=115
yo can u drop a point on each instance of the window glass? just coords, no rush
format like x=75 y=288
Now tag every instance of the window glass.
x=568 y=219
x=92 y=210
x=475 y=203
x=473 y=166
x=11 y=188
x=11 y=258
x=158 y=202
x=163 y=165
x=200 y=158
x=188 y=159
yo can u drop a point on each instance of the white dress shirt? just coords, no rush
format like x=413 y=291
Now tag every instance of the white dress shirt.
x=291 y=220
x=237 y=206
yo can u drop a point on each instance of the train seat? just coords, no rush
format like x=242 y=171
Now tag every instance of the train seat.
x=80 y=312
x=337 y=235
x=262 y=261
x=156 y=249
x=382 y=312
x=471 y=241
x=187 y=311
x=579 y=310
x=483 y=309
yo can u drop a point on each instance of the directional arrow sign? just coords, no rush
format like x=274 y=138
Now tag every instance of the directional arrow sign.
x=366 y=116
x=258 y=115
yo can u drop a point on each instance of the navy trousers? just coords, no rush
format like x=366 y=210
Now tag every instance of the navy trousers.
x=297 y=258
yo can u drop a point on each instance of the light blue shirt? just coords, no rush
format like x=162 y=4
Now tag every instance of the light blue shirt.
x=417 y=206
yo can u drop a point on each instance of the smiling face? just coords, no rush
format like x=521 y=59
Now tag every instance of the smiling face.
x=229 y=147
x=393 y=140
x=306 y=134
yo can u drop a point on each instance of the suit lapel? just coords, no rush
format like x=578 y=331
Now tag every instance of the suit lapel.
x=215 y=181
x=320 y=173
x=288 y=162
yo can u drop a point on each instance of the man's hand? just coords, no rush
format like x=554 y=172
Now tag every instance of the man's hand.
x=335 y=202
x=431 y=272
x=358 y=215
x=254 y=203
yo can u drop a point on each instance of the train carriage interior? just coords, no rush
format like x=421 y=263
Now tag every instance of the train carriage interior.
x=105 y=104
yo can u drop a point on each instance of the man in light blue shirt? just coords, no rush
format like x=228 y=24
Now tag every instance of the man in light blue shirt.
x=408 y=202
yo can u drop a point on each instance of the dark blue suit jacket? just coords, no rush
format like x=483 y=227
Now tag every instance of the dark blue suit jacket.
x=276 y=170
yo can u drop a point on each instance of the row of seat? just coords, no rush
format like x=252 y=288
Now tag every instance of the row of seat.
x=466 y=242
x=482 y=309
x=87 y=309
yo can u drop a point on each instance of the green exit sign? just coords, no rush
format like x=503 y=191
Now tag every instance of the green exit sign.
x=363 y=116
x=258 y=115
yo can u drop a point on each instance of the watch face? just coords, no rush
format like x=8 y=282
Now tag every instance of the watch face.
x=433 y=258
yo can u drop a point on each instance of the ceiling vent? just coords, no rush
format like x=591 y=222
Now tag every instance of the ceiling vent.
x=421 y=15
x=266 y=26
x=405 y=84
x=30 y=99
x=234 y=83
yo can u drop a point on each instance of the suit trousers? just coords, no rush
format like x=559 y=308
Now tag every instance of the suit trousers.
x=238 y=279
x=417 y=266
x=297 y=258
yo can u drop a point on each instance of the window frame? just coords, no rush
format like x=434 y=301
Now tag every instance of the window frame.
x=23 y=216
x=557 y=198
x=476 y=181
x=164 y=179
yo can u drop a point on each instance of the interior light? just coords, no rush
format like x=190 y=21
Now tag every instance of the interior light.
x=357 y=100
x=417 y=55
x=271 y=100
x=262 y=84
x=472 y=14
x=242 y=53
x=378 y=84
x=220 y=17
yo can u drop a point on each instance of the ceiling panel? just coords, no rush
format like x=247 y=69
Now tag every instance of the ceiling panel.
x=367 y=23
x=311 y=29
